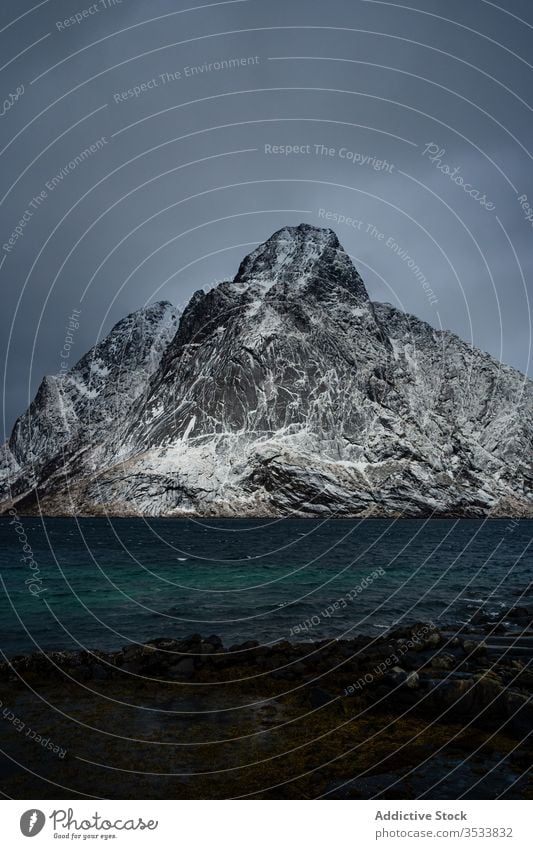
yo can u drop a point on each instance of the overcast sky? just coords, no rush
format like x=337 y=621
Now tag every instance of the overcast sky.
x=384 y=101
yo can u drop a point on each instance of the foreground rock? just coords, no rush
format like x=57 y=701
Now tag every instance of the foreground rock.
x=392 y=717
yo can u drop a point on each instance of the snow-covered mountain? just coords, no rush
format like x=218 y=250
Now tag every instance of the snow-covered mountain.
x=283 y=391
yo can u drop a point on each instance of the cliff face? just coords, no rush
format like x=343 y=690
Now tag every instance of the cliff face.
x=284 y=390
x=70 y=425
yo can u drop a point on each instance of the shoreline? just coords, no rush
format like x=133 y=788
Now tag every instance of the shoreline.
x=210 y=652
x=192 y=704
x=512 y=623
x=321 y=517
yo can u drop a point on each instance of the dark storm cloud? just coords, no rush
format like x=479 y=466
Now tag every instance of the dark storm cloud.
x=172 y=203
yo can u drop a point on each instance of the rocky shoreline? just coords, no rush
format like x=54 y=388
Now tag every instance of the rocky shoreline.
x=413 y=663
x=468 y=691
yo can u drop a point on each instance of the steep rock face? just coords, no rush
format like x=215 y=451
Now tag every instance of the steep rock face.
x=263 y=355
x=287 y=390
x=83 y=410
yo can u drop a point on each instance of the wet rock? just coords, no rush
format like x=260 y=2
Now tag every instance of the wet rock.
x=130 y=653
x=447 y=693
x=400 y=676
x=443 y=661
x=412 y=681
x=474 y=647
x=433 y=640
x=190 y=643
x=487 y=693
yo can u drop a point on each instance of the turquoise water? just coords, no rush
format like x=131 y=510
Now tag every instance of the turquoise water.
x=101 y=583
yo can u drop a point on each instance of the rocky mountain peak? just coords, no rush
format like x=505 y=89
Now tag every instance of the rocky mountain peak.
x=299 y=258
x=284 y=391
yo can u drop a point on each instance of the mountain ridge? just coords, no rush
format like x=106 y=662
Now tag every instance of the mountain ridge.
x=283 y=391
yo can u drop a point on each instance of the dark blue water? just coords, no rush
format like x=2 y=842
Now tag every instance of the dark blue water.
x=102 y=583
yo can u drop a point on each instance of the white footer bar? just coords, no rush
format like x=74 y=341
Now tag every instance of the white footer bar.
x=268 y=824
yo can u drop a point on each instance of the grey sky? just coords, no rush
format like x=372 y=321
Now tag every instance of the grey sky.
x=172 y=203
